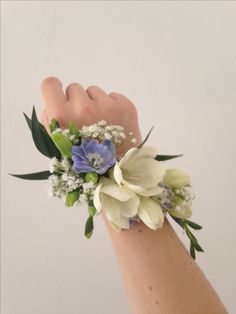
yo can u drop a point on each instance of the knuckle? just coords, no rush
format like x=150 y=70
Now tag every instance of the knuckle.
x=91 y=87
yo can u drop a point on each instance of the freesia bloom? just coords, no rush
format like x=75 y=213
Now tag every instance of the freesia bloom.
x=139 y=171
x=92 y=156
x=179 y=193
x=176 y=178
x=118 y=203
x=150 y=213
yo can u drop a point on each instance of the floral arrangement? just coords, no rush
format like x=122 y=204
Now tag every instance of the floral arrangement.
x=84 y=169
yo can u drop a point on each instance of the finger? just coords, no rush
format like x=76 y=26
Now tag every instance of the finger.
x=96 y=93
x=76 y=93
x=52 y=92
x=44 y=119
x=117 y=96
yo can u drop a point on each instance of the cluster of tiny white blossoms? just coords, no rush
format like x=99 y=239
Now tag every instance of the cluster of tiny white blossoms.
x=178 y=199
x=64 y=180
x=102 y=131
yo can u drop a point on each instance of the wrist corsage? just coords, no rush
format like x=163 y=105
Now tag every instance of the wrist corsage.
x=84 y=169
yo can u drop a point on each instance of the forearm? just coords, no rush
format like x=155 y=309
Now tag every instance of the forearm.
x=159 y=274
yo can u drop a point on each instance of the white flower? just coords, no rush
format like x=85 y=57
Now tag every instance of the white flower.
x=176 y=178
x=118 y=202
x=139 y=171
x=150 y=213
x=54 y=164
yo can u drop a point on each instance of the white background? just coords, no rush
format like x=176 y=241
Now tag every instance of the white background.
x=177 y=62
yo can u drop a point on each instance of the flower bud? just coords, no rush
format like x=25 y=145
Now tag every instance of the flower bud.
x=176 y=178
x=62 y=143
x=91 y=177
x=92 y=210
x=71 y=198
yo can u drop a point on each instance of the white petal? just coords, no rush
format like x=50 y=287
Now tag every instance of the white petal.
x=176 y=178
x=113 y=210
x=117 y=173
x=151 y=213
x=112 y=189
x=127 y=156
x=96 y=199
x=145 y=172
x=152 y=192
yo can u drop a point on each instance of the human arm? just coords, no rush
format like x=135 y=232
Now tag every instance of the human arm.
x=159 y=275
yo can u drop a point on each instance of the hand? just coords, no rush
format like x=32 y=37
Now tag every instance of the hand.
x=85 y=107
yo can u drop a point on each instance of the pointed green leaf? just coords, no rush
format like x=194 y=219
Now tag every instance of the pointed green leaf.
x=62 y=143
x=179 y=221
x=28 y=120
x=193 y=224
x=42 y=175
x=89 y=227
x=71 y=198
x=166 y=157
x=192 y=251
x=198 y=247
x=146 y=138
x=41 y=138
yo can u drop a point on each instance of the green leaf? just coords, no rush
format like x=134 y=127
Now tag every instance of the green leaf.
x=193 y=224
x=42 y=175
x=190 y=235
x=198 y=247
x=53 y=125
x=62 y=143
x=178 y=220
x=89 y=227
x=192 y=251
x=166 y=157
x=146 y=138
x=41 y=138
x=73 y=129
x=71 y=198
x=28 y=120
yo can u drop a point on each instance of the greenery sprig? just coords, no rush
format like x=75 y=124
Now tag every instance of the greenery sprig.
x=185 y=224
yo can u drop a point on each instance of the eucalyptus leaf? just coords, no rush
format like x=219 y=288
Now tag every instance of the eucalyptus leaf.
x=167 y=157
x=42 y=140
x=42 y=175
x=89 y=227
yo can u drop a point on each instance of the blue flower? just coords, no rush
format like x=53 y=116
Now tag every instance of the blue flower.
x=92 y=156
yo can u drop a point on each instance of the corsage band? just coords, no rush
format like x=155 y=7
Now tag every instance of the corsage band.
x=85 y=169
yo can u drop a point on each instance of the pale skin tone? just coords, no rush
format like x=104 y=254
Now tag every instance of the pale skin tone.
x=159 y=275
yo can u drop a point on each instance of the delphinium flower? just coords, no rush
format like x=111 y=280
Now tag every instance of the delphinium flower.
x=92 y=156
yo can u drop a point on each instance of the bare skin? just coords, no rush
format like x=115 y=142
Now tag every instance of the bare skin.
x=159 y=274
